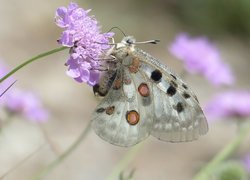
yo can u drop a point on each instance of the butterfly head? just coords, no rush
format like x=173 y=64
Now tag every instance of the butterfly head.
x=122 y=49
x=128 y=41
x=127 y=45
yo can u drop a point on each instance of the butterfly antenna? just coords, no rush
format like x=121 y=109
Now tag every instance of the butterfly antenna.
x=148 y=42
x=119 y=30
x=113 y=41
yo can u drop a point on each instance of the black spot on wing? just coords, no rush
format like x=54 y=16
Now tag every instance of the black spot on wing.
x=173 y=83
x=173 y=76
x=184 y=86
x=186 y=95
x=171 y=90
x=156 y=75
x=100 y=110
x=179 y=107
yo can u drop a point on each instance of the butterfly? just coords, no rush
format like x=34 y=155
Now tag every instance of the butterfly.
x=143 y=97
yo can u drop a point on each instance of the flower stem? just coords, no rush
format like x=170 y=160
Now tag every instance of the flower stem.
x=39 y=56
x=124 y=162
x=65 y=154
x=228 y=150
x=49 y=141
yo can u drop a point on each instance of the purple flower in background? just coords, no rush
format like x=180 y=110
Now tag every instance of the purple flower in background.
x=246 y=162
x=83 y=35
x=20 y=102
x=201 y=56
x=229 y=104
x=26 y=104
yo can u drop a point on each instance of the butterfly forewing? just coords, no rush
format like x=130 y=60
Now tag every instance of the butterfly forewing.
x=177 y=114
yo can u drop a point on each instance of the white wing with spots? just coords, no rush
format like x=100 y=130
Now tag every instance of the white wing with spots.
x=178 y=116
x=146 y=98
x=109 y=119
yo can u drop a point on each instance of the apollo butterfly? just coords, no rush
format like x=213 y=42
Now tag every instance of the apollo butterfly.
x=143 y=97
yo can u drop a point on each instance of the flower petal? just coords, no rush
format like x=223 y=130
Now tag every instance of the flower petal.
x=83 y=34
x=200 y=56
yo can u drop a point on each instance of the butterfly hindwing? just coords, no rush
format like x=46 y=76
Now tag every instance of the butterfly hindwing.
x=114 y=118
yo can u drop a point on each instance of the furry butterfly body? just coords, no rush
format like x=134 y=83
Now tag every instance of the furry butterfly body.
x=143 y=97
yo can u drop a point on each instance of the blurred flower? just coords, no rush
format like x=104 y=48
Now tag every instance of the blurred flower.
x=246 y=162
x=20 y=102
x=229 y=104
x=26 y=104
x=82 y=33
x=201 y=56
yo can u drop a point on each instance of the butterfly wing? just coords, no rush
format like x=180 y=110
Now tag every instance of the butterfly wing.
x=147 y=98
x=120 y=118
x=178 y=116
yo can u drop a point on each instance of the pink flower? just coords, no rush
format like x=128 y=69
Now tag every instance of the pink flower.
x=246 y=162
x=26 y=104
x=82 y=33
x=21 y=102
x=200 y=56
x=229 y=104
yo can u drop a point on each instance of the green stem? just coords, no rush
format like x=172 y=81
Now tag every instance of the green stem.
x=39 y=56
x=228 y=150
x=124 y=162
x=64 y=155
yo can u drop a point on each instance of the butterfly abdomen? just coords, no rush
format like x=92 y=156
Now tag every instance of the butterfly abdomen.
x=105 y=83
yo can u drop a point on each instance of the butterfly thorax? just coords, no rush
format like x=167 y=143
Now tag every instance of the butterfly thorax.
x=123 y=58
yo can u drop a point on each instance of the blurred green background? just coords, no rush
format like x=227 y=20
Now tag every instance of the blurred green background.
x=214 y=17
x=27 y=28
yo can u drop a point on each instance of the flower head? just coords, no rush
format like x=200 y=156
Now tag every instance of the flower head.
x=20 y=102
x=83 y=35
x=26 y=104
x=229 y=104
x=201 y=56
x=246 y=162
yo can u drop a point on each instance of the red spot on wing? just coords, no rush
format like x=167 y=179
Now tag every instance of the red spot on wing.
x=143 y=90
x=132 y=117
